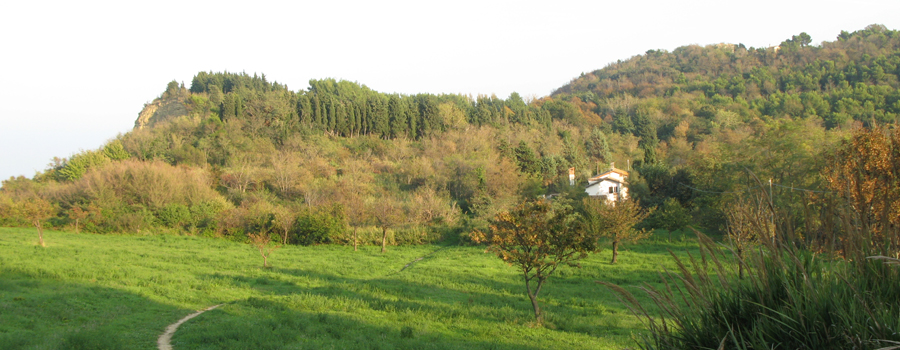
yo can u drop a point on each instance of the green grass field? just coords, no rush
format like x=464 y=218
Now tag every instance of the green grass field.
x=86 y=291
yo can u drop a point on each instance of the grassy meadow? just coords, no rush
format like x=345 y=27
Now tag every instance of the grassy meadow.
x=86 y=291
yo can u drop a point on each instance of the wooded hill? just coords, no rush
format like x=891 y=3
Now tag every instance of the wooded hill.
x=235 y=153
x=852 y=78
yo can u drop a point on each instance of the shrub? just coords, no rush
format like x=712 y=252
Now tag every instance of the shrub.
x=670 y=215
x=6 y=213
x=148 y=184
x=134 y=195
x=318 y=226
x=204 y=215
x=131 y=221
x=174 y=215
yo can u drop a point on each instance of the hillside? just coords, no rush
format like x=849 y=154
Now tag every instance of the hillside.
x=854 y=78
x=234 y=153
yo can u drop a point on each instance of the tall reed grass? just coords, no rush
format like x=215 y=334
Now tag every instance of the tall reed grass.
x=790 y=299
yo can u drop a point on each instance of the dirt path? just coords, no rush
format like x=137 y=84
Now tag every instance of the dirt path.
x=165 y=338
x=419 y=259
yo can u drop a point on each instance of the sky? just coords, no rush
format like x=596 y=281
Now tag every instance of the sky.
x=75 y=74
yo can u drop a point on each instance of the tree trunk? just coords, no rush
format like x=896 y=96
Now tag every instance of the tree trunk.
x=40 y=229
x=76 y=226
x=265 y=255
x=534 y=303
x=537 y=309
x=383 y=239
x=355 y=239
x=615 y=252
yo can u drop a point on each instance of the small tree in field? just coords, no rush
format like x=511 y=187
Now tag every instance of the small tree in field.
x=284 y=221
x=263 y=242
x=538 y=237
x=357 y=215
x=615 y=220
x=35 y=210
x=387 y=212
x=748 y=220
x=78 y=214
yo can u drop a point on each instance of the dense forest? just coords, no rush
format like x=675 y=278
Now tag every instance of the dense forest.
x=700 y=129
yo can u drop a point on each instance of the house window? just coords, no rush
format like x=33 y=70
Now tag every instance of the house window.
x=611 y=189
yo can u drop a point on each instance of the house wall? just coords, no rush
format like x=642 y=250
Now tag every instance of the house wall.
x=602 y=189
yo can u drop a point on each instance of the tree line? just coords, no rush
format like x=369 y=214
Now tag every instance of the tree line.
x=349 y=109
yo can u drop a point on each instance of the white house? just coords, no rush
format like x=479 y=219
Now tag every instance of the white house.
x=610 y=184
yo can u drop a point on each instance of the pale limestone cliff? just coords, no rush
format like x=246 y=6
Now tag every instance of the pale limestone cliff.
x=159 y=110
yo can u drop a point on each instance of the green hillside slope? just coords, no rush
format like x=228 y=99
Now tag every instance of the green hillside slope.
x=235 y=153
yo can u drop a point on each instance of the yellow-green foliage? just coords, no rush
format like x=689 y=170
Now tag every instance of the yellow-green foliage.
x=134 y=195
x=147 y=184
x=115 y=151
x=80 y=163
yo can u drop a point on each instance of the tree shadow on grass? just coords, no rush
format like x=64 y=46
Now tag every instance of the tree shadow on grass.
x=43 y=313
x=381 y=294
x=397 y=296
x=266 y=324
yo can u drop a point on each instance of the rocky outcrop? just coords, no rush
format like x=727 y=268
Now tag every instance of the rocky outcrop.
x=159 y=110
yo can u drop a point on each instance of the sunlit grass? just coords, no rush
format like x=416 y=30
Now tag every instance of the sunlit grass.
x=120 y=292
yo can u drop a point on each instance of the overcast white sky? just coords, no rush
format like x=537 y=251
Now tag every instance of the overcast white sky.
x=76 y=73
